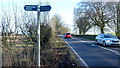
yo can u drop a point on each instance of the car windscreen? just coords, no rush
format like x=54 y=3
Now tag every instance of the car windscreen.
x=67 y=33
x=110 y=36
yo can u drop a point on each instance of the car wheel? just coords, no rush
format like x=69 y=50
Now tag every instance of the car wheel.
x=96 y=42
x=104 y=43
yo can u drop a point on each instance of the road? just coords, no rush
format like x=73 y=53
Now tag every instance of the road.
x=92 y=55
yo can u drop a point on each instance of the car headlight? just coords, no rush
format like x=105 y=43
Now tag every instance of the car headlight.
x=108 y=41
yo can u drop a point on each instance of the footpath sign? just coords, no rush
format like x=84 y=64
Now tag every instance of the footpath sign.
x=37 y=8
x=45 y=8
x=30 y=7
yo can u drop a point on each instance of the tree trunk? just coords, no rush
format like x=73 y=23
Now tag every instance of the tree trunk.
x=84 y=32
x=102 y=29
x=118 y=20
x=80 y=31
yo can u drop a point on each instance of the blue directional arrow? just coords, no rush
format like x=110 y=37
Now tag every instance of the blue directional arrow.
x=30 y=7
x=45 y=8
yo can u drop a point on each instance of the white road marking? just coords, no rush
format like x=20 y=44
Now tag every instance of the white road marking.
x=85 y=64
x=106 y=49
x=92 y=44
x=110 y=50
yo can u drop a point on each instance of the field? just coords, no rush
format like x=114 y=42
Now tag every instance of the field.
x=15 y=52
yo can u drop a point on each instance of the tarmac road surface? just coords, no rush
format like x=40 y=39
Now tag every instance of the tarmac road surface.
x=94 y=56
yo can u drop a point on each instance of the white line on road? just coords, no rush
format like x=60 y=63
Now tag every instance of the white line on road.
x=110 y=50
x=92 y=44
x=85 y=64
x=106 y=49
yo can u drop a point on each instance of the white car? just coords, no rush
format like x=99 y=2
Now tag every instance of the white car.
x=107 y=39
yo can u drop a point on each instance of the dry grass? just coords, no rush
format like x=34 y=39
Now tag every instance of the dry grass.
x=58 y=56
x=19 y=54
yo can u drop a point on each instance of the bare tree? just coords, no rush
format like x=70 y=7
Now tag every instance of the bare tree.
x=12 y=37
x=118 y=19
x=8 y=35
x=98 y=12
x=57 y=25
x=114 y=23
x=100 y=15
x=82 y=20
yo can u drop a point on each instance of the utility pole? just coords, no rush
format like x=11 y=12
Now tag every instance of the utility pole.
x=38 y=38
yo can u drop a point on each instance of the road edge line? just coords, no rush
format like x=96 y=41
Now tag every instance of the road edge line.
x=107 y=49
x=110 y=50
x=84 y=63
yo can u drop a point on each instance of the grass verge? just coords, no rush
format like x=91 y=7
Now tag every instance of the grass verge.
x=59 y=56
x=85 y=37
x=90 y=38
